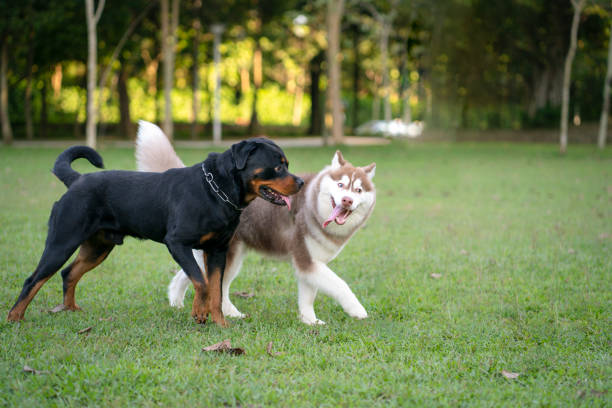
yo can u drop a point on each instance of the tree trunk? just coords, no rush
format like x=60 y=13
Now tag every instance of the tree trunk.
x=217 y=30
x=355 y=113
x=384 y=56
x=406 y=84
x=605 y=109
x=376 y=106
x=169 y=25
x=316 y=118
x=92 y=62
x=44 y=115
x=27 y=103
x=195 y=68
x=298 y=100
x=125 y=121
x=334 y=17
x=253 y=129
x=567 y=73
x=7 y=131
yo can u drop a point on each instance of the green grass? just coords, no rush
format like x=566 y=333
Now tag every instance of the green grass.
x=521 y=237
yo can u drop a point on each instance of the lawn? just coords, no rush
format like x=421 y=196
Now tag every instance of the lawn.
x=478 y=259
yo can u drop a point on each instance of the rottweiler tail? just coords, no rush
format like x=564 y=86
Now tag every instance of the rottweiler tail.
x=62 y=168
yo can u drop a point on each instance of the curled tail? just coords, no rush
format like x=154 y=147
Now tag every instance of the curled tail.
x=153 y=149
x=62 y=168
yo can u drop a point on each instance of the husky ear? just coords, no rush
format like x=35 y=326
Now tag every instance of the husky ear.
x=370 y=170
x=241 y=152
x=338 y=161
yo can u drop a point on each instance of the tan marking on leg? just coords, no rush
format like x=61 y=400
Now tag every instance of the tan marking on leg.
x=18 y=311
x=83 y=264
x=199 y=310
x=214 y=298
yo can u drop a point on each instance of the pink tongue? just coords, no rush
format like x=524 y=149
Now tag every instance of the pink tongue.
x=336 y=211
x=287 y=201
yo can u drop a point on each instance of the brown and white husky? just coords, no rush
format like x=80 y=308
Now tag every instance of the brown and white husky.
x=323 y=216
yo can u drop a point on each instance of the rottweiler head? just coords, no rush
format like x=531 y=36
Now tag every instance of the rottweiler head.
x=265 y=171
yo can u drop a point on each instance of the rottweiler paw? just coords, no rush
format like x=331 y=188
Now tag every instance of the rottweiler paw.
x=14 y=316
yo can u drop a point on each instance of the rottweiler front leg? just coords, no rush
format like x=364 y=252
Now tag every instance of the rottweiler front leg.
x=203 y=304
x=215 y=266
x=183 y=255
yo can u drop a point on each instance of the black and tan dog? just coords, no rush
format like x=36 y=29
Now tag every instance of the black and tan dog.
x=187 y=208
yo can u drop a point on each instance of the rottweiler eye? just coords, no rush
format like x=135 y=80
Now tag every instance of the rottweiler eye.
x=278 y=169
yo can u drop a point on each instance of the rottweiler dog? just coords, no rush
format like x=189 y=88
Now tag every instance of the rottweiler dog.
x=192 y=207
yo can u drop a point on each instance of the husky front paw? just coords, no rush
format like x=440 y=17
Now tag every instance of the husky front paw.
x=311 y=320
x=229 y=310
x=357 y=311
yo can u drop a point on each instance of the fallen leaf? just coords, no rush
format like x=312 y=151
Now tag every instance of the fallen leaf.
x=28 y=369
x=85 y=330
x=599 y=393
x=57 y=309
x=436 y=275
x=224 y=347
x=272 y=353
x=509 y=375
x=244 y=294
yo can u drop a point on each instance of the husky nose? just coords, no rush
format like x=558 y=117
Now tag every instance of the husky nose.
x=299 y=182
x=347 y=201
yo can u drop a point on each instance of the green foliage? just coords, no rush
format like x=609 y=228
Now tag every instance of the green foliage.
x=520 y=236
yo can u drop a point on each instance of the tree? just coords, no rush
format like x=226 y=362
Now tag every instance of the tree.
x=334 y=16
x=7 y=131
x=196 y=26
x=92 y=63
x=578 y=5
x=605 y=108
x=169 y=24
x=385 y=23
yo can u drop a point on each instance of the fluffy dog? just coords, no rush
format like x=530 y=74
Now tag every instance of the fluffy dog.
x=334 y=204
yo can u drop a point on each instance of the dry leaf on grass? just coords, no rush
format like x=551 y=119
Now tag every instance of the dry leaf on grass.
x=57 y=309
x=272 y=353
x=224 y=347
x=509 y=375
x=28 y=369
x=85 y=330
x=244 y=294
x=436 y=275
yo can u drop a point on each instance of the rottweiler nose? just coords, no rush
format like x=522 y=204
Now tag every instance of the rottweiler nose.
x=299 y=182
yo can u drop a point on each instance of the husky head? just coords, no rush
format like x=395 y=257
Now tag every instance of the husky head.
x=346 y=194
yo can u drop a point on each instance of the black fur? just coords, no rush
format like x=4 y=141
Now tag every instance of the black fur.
x=178 y=208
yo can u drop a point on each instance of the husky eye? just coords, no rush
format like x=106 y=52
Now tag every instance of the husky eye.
x=340 y=185
x=358 y=190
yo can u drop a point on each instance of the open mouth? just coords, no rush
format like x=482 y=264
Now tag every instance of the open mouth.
x=339 y=214
x=274 y=197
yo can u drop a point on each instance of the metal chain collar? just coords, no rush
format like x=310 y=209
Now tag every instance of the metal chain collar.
x=210 y=179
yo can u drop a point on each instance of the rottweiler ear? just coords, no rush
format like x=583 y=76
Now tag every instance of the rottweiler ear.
x=240 y=153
